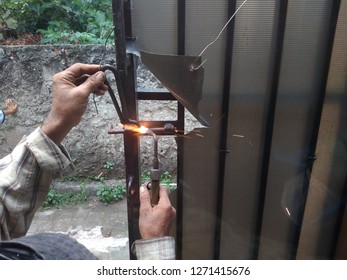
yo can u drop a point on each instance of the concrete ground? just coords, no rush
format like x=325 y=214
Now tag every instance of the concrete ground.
x=103 y=229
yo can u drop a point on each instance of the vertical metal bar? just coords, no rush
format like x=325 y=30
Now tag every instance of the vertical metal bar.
x=132 y=158
x=334 y=14
x=127 y=20
x=223 y=149
x=126 y=65
x=119 y=34
x=270 y=121
x=181 y=27
x=181 y=33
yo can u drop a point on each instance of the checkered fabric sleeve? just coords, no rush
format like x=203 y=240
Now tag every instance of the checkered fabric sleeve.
x=162 y=248
x=25 y=177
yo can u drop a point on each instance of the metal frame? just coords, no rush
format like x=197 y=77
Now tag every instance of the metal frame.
x=126 y=65
x=126 y=62
x=311 y=156
x=283 y=6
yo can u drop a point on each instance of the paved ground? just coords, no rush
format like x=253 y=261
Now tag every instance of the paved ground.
x=103 y=229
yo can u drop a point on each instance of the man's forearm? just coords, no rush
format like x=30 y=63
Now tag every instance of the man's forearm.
x=26 y=176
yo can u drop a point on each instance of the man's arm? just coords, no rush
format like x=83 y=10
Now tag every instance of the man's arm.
x=154 y=223
x=26 y=174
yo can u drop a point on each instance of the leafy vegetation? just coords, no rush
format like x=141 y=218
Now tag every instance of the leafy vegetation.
x=108 y=194
x=59 y=199
x=166 y=179
x=60 y=21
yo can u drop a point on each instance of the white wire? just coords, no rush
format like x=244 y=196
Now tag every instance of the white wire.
x=218 y=36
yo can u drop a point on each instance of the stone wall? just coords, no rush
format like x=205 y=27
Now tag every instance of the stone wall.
x=25 y=76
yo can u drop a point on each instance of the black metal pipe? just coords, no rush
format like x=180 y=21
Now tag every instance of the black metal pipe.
x=126 y=67
x=154 y=94
x=127 y=20
x=181 y=33
x=334 y=15
x=282 y=19
x=132 y=158
x=224 y=129
x=119 y=34
x=181 y=27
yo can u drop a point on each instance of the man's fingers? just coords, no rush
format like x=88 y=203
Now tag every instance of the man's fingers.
x=94 y=83
x=145 y=198
x=80 y=69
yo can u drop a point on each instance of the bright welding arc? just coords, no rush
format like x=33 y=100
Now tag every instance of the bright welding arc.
x=193 y=67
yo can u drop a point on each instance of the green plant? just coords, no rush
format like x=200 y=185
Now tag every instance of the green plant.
x=98 y=178
x=108 y=165
x=89 y=20
x=145 y=177
x=108 y=194
x=57 y=199
x=65 y=37
x=166 y=179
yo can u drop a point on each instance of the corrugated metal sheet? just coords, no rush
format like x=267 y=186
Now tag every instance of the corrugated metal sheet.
x=249 y=187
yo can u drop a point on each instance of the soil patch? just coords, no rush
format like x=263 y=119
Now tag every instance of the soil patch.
x=22 y=39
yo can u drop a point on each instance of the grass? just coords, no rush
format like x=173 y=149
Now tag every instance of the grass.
x=166 y=179
x=111 y=194
x=106 y=194
x=64 y=198
x=59 y=199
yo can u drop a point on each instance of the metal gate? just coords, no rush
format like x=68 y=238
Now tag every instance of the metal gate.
x=267 y=178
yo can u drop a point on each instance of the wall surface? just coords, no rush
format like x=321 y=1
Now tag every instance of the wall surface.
x=25 y=76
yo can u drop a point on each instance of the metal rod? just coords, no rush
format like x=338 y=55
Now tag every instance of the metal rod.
x=181 y=10
x=224 y=130
x=127 y=72
x=155 y=94
x=282 y=19
x=119 y=34
x=120 y=81
x=127 y=20
x=167 y=129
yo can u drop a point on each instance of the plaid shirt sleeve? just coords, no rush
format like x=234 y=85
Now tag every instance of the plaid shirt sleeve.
x=2 y=116
x=25 y=177
x=162 y=248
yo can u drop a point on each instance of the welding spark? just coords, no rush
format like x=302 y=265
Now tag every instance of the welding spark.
x=238 y=135
x=130 y=127
x=142 y=129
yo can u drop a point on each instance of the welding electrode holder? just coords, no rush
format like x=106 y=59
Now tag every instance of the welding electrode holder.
x=154 y=186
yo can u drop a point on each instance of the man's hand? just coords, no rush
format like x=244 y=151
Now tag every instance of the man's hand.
x=11 y=108
x=155 y=221
x=70 y=91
